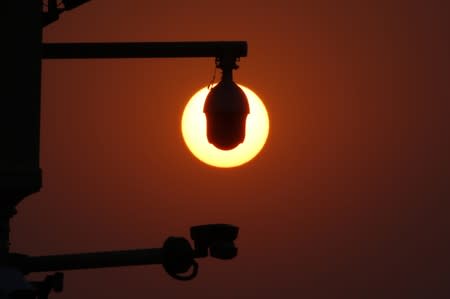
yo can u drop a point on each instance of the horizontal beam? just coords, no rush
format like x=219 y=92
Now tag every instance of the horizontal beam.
x=144 y=50
x=92 y=260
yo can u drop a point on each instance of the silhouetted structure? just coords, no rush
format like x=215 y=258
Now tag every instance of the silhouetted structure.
x=20 y=173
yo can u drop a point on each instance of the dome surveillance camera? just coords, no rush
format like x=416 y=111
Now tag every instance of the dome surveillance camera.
x=226 y=108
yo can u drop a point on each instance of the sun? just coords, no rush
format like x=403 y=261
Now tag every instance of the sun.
x=193 y=128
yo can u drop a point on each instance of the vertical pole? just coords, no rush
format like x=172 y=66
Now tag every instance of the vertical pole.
x=5 y=216
x=20 y=88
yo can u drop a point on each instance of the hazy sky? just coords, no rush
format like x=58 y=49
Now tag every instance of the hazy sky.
x=349 y=198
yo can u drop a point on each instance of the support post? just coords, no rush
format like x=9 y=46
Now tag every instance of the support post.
x=20 y=174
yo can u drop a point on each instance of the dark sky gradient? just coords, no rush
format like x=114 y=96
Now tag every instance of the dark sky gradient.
x=349 y=198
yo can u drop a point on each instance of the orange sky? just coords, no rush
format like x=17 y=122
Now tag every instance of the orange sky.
x=348 y=198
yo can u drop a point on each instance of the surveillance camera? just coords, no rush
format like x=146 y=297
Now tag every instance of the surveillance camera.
x=218 y=239
x=226 y=108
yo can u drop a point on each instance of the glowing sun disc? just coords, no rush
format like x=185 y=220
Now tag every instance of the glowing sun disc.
x=193 y=128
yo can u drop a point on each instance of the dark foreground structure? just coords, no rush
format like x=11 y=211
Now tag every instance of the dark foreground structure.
x=20 y=172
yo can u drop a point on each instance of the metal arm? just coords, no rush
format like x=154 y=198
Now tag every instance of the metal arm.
x=217 y=49
x=176 y=255
x=92 y=260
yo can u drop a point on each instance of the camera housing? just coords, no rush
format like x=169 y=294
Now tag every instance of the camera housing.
x=217 y=240
x=226 y=108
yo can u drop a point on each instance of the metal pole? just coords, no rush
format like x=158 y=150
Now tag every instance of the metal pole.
x=144 y=50
x=20 y=104
x=20 y=174
x=92 y=260
x=4 y=235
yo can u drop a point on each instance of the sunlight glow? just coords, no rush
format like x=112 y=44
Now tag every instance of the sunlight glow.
x=193 y=127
